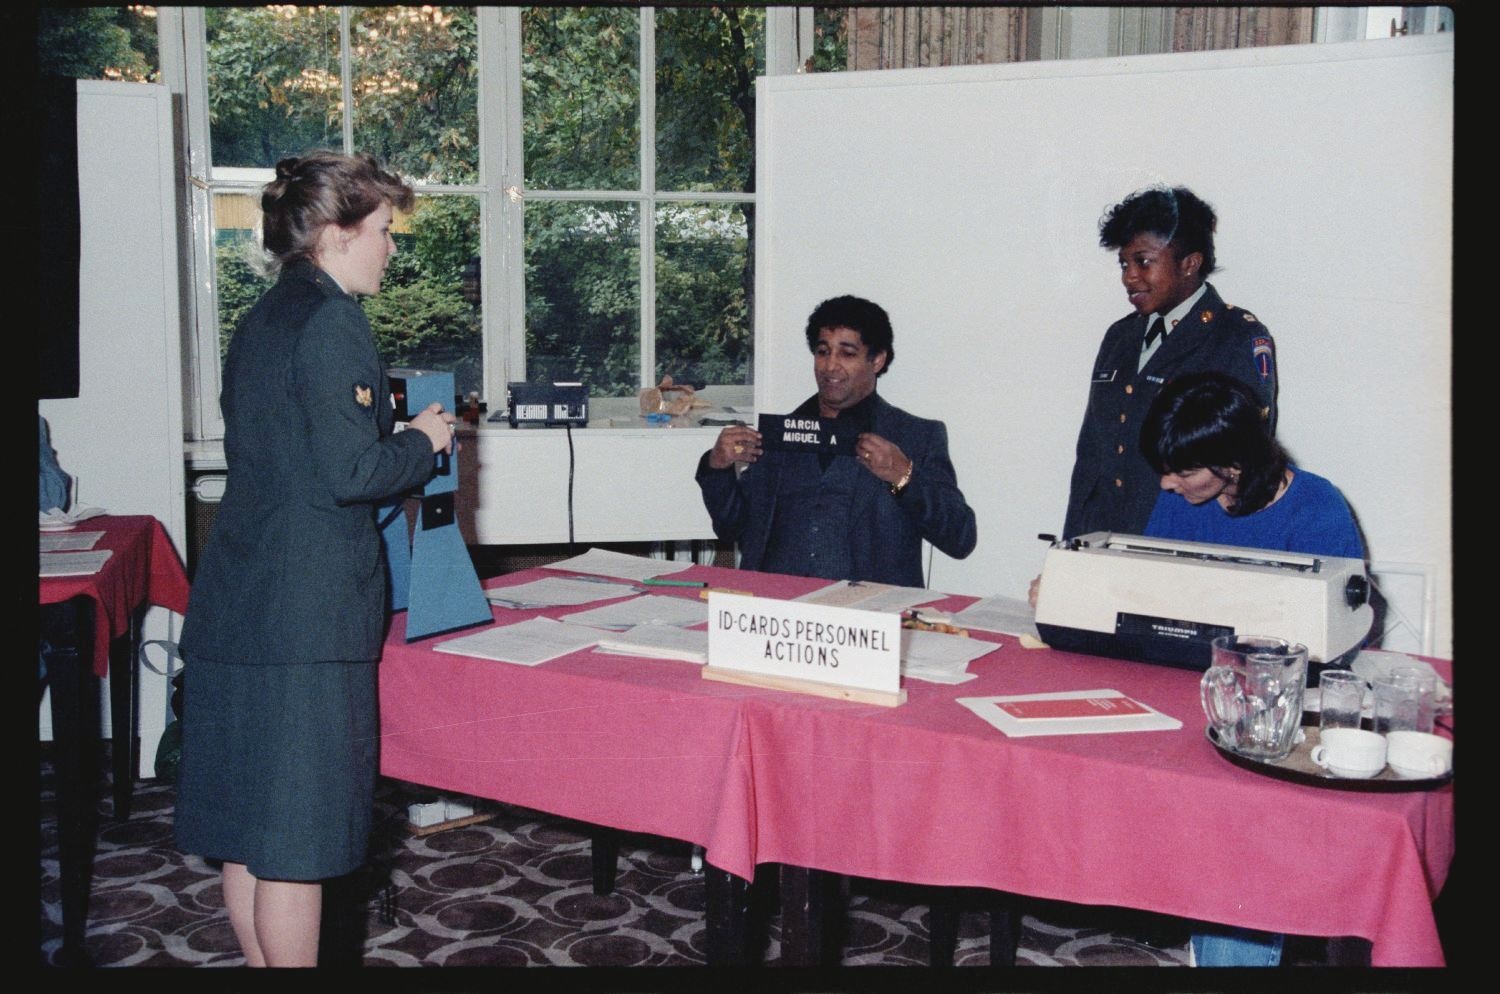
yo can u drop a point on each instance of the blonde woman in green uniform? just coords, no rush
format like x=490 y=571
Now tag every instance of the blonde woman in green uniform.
x=286 y=619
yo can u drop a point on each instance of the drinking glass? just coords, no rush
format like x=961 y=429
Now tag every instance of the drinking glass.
x=1341 y=695
x=1398 y=702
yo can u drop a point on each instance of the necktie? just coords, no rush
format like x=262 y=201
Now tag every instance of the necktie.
x=1157 y=330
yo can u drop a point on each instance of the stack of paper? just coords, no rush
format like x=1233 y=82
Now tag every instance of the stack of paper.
x=602 y=562
x=72 y=563
x=1010 y=615
x=555 y=592
x=870 y=596
x=940 y=658
x=67 y=541
x=1068 y=712
x=525 y=644
x=657 y=642
x=645 y=610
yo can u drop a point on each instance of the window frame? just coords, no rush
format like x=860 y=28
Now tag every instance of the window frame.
x=500 y=189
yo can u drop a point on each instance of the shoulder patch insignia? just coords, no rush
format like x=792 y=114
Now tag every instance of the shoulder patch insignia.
x=1206 y=316
x=363 y=395
x=1261 y=355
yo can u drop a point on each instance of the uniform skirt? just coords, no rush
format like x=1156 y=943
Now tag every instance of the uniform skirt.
x=278 y=766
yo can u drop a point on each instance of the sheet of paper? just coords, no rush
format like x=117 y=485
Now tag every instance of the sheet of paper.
x=1011 y=615
x=58 y=517
x=643 y=610
x=67 y=541
x=867 y=596
x=602 y=562
x=657 y=642
x=1069 y=712
x=72 y=563
x=937 y=657
x=525 y=644
x=554 y=591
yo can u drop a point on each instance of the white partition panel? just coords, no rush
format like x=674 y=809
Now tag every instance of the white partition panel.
x=966 y=201
x=121 y=438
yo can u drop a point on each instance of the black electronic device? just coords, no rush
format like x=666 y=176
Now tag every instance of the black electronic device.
x=546 y=404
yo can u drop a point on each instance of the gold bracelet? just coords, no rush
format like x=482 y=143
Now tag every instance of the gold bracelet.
x=900 y=484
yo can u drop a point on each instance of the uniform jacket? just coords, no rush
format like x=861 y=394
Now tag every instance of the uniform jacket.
x=885 y=531
x=1113 y=487
x=292 y=571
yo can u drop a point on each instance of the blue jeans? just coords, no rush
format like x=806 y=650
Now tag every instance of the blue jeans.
x=1226 y=946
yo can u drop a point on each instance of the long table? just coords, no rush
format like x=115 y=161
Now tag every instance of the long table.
x=926 y=792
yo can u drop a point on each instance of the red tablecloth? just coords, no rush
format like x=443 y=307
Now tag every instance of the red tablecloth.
x=926 y=792
x=143 y=569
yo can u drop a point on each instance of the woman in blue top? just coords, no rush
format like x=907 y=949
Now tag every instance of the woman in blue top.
x=1227 y=481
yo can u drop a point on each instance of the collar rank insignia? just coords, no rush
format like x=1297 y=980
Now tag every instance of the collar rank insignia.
x=363 y=395
x=1206 y=316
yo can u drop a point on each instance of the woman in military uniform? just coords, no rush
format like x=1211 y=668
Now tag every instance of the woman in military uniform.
x=286 y=618
x=1178 y=324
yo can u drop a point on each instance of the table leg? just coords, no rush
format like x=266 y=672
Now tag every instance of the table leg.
x=125 y=747
x=604 y=857
x=942 y=927
x=69 y=629
x=808 y=935
x=1005 y=928
x=728 y=913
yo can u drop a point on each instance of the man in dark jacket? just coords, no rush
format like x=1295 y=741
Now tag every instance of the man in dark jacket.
x=826 y=514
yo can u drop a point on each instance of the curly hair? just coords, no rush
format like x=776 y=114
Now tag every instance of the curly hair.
x=1177 y=215
x=857 y=314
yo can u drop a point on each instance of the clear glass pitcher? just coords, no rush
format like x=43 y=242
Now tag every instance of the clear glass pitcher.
x=1252 y=694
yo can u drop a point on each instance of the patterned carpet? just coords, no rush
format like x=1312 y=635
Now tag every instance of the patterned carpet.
x=515 y=890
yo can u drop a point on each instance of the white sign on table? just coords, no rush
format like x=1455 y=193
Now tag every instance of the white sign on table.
x=809 y=648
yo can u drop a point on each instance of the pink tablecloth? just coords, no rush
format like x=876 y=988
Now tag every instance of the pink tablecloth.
x=926 y=792
x=144 y=568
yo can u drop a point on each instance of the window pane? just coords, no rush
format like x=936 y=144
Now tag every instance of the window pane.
x=416 y=103
x=427 y=313
x=704 y=286
x=98 y=43
x=580 y=97
x=583 y=295
x=238 y=282
x=830 y=39
x=273 y=83
x=706 y=63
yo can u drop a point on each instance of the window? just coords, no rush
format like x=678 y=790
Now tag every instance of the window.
x=117 y=43
x=585 y=180
x=401 y=82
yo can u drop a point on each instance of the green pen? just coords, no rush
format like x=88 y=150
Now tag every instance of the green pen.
x=674 y=583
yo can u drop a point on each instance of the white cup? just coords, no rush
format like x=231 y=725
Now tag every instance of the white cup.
x=1418 y=754
x=1350 y=752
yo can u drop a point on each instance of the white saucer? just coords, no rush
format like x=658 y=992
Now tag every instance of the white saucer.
x=57 y=526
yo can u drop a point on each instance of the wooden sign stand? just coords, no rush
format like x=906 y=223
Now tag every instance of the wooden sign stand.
x=881 y=697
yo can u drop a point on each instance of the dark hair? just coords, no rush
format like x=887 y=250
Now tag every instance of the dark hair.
x=1175 y=214
x=857 y=314
x=319 y=189
x=1214 y=421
